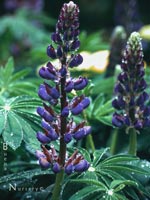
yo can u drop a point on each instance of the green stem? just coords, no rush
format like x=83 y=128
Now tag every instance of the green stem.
x=1 y=157
x=132 y=142
x=58 y=185
x=90 y=143
x=89 y=139
x=114 y=141
x=62 y=150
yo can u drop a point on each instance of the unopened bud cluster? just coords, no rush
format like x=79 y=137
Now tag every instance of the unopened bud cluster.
x=130 y=88
x=58 y=123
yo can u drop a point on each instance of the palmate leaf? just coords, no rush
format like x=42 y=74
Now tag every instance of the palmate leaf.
x=118 y=173
x=21 y=177
x=19 y=122
x=85 y=192
x=12 y=83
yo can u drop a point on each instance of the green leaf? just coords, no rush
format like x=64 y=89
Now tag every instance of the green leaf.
x=98 y=154
x=118 y=185
x=19 y=122
x=13 y=133
x=23 y=176
x=119 y=158
x=84 y=193
x=9 y=68
x=19 y=75
x=90 y=181
x=85 y=154
x=98 y=102
x=106 y=120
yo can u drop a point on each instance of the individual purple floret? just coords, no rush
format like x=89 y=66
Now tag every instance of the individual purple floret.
x=130 y=88
x=58 y=108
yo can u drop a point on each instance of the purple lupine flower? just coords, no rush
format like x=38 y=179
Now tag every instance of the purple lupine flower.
x=58 y=122
x=44 y=163
x=82 y=166
x=69 y=169
x=76 y=60
x=67 y=137
x=51 y=52
x=65 y=112
x=69 y=86
x=45 y=114
x=130 y=88
x=82 y=132
x=43 y=138
x=48 y=72
x=80 y=83
x=56 y=167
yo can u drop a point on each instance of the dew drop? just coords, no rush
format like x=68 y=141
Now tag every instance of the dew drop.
x=11 y=134
x=142 y=166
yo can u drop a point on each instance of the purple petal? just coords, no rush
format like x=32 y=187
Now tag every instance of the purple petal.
x=117 y=120
x=43 y=138
x=51 y=52
x=82 y=166
x=43 y=93
x=77 y=110
x=80 y=84
x=67 y=137
x=56 y=168
x=85 y=102
x=65 y=112
x=69 y=169
x=44 y=163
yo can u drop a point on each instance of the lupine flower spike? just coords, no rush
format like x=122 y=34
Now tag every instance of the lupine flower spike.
x=131 y=97
x=59 y=125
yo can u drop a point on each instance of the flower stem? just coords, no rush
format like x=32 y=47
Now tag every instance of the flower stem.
x=62 y=150
x=132 y=142
x=1 y=157
x=114 y=141
x=58 y=185
x=89 y=142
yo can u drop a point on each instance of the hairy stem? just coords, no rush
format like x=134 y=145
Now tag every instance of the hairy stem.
x=62 y=151
x=114 y=141
x=132 y=142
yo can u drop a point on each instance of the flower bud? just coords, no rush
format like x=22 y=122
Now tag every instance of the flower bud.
x=65 y=112
x=69 y=169
x=80 y=83
x=69 y=86
x=51 y=52
x=44 y=163
x=76 y=60
x=77 y=109
x=117 y=120
x=56 y=38
x=44 y=114
x=81 y=133
x=82 y=166
x=43 y=93
x=85 y=102
x=75 y=45
x=67 y=137
x=56 y=168
x=43 y=138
